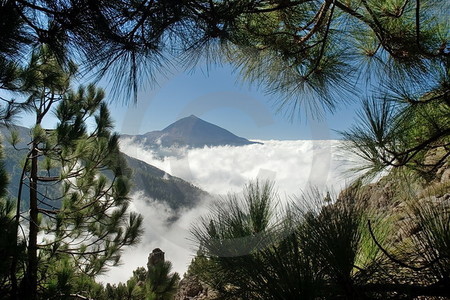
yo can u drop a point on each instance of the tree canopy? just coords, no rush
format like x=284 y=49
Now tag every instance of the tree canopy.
x=313 y=54
x=78 y=183
x=315 y=50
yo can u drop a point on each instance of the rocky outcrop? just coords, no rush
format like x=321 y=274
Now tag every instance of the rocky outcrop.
x=394 y=191
x=157 y=256
x=399 y=195
x=191 y=288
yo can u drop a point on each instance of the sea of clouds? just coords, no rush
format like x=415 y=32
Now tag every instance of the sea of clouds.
x=294 y=166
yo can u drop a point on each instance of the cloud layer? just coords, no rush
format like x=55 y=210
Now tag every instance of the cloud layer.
x=293 y=166
x=171 y=238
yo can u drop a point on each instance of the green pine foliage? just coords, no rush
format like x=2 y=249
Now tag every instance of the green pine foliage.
x=160 y=282
x=3 y=176
x=314 y=52
x=9 y=246
x=7 y=240
x=65 y=282
x=392 y=134
x=84 y=222
x=157 y=282
x=318 y=54
x=316 y=250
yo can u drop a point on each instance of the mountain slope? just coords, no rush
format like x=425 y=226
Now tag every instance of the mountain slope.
x=157 y=184
x=191 y=132
x=151 y=181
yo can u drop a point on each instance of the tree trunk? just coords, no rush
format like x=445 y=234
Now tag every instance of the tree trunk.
x=13 y=270
x=32 y=272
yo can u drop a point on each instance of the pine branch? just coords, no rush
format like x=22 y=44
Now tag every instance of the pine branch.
x=395 y=260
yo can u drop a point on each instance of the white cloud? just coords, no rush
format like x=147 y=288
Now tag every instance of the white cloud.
x=158 y=233
x=293 y=165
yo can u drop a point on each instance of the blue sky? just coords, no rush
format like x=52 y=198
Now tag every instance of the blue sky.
x=217 y=96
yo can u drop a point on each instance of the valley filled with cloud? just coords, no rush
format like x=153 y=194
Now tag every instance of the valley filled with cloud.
x=293 y=166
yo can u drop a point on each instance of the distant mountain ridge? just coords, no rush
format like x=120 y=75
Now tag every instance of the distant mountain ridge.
x=192 y=132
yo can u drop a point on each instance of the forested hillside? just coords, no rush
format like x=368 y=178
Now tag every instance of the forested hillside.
x=152 y=182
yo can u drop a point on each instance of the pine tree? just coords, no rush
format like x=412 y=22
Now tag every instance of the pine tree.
x=3 y=175
x=313 y=52
x=77 y=180
x=7 y=229
x=156 y=282
x=315 y=250
x=161 y=284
